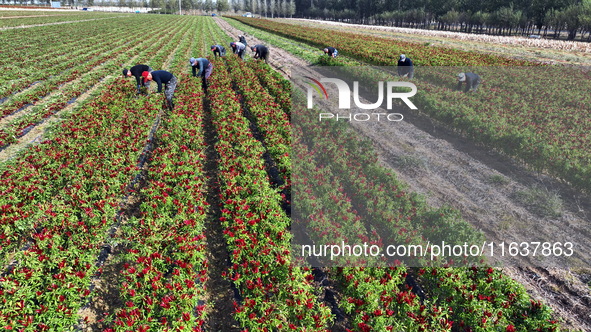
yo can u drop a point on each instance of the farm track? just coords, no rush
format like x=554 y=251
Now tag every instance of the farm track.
x=438 y=163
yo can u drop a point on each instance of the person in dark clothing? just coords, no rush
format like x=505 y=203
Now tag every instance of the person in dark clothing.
x=137 y=71
x=242 y=39
x=238 y=48
x=166 y=78
x=218 y=50
x=260 y=52
x=472 y=81
x=331 y=52
x=405 y=67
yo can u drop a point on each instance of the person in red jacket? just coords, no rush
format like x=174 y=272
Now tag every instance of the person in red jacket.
x=163 y=77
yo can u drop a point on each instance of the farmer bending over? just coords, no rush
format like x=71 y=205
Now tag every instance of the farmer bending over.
x=260 y=52
x=472 y=81
x=218 y=50
x=166 y=78
x=405 y=67
x=137 y=71
x=205 y=69
x=238 y=48
x=331 y=52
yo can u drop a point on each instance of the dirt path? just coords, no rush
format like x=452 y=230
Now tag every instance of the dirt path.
x=490 y=190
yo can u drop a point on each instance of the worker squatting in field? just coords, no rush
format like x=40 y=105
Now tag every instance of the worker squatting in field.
x=405 y=67
x=331 y=52
x=218 y=50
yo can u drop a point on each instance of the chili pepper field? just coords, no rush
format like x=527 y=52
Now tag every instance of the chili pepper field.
x=117 y=214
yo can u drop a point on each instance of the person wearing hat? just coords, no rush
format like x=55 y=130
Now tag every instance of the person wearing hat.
x=205 y=69
x=405 y=67
x=137 y=71
x=260 y=52
x=166 y=78
x=238 y=48
x=218 y=50
x=472 y=81
x=242 y=39
x=331 y=52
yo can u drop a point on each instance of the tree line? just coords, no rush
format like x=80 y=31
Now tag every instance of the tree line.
x=502 y=17
x=570 y=19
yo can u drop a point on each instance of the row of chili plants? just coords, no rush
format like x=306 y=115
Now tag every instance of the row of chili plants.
x=164 y=268
x=24 y=12
x=52 y=19
x=274 y=293
x=267 y=116
x=27 y=64
x=276 y=85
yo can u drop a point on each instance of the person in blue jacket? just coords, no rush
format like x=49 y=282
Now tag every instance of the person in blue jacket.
x=205 y=68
